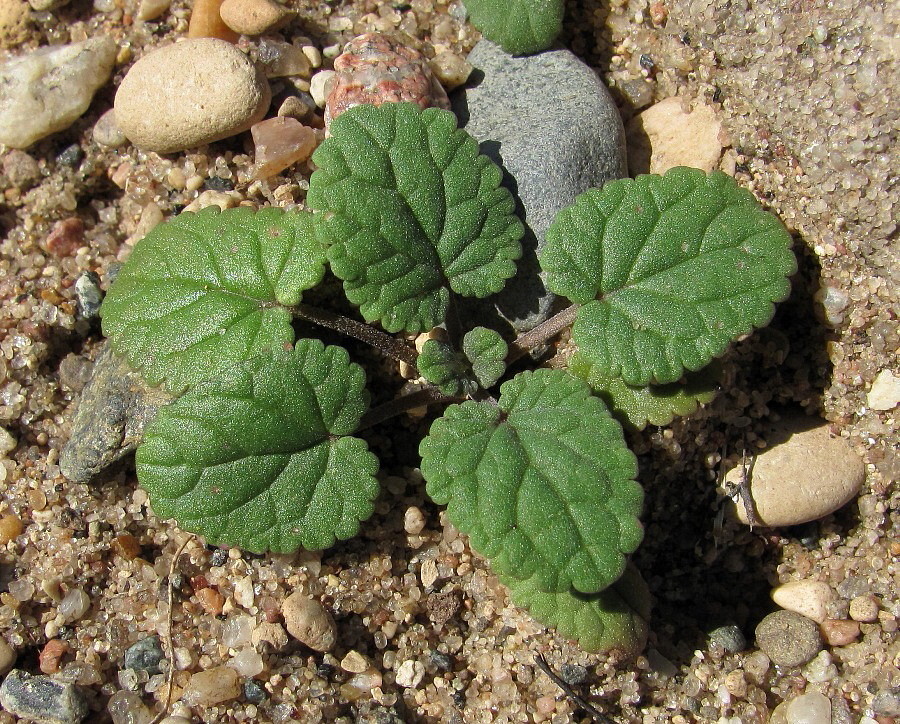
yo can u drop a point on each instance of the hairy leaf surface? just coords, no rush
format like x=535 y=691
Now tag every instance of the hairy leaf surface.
x=653 y=404
x=542 y=483
x=669 y=269
x=486 y=351
x=446 y=368
x=615 y=618
x=260 y=458
x=209 y=289
x=518 y=26
x=412 y=211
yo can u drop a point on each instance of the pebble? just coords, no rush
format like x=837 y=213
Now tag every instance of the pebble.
x=254 y=17
x=885 y=391
x=42 y=698
x=206 y=22
x=272 y=633
x=279 y=143
x=376 y=69
x=247 y=662
x=886 y=703
x=552 y=156
x=299 y=107
x=126 y=707
x=11 y=527
x=355 y=662
x=22 y=170
x=74 y=605
x=808 y=598
x=211 y=687
x=145 y=655
x=254 y=692
x=15 y=21
x=280 y=59
x=809 y=708
x=212 y=601
x=51 y=655
x=804 y=474
x=664 y=136
x=307 y=621
x=413 y=520
x=864 y=609
x=7 y=442
x=106 y=132
x=152 y=9
x=320 y=86
x=202 y=90
x=46 y=90
x=840 y=632
x=88 y=295
x=450 y=69
x=730 y=638
x=788 y=638
x=573 y=674
x=410 y=673
x=7 y=657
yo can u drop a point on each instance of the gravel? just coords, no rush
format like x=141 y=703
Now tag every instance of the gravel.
x=808 y=108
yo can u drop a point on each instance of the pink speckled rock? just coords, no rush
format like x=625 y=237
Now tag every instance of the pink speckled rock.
x=376 y=69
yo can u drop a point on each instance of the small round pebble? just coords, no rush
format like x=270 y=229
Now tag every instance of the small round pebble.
x=307 y=621
x=809 y=708
x=7 y=657
x=11 y=527
x=191 y=93
x=442 y=661
x=788 y=638
x=864 y=609
x=254 y=17
x=804 y=475
x=211 y=687
x=840 y=632
x=354 y=662
x=320 y=86
x=145 y=655
x=254 y=692
x=573 y=674
x=808 y=598
x=410 y=673
x=730 y=638
x=413 y=520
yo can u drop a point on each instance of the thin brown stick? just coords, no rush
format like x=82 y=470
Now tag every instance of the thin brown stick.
x=429 y=395
x=170 y=654
x=545 y=331
x=570 y=692
x=381 y=341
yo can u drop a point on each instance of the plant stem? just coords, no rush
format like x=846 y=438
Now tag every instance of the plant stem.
x=524 y=343
x=381 y=341
x=429 y=395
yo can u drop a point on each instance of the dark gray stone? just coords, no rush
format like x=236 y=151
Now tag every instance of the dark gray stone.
x=573 y=674
x=550 y=123
x=115 y=407
x=42 y=699
x=145 y=655
x=730 y=638
x=788 y=638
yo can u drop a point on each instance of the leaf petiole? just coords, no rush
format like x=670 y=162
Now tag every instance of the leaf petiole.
x=544 y=332
x=384 y=343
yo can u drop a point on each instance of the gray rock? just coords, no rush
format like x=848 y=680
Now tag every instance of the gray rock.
x=115 y=407
x=88 y=294
x=46 y=90
x=145 y=655
x=886 y=703
x=550 y=123
x=788 y=638
x=730 y=638
x=42 y=699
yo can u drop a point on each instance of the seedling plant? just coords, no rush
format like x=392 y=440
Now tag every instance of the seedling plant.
x=259 y=451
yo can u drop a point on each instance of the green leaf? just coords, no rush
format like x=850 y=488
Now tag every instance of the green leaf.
x=259 y=458
x=654 y=404
x=669 y=269
x=615 y=618
x=486 y=350
x=412 y=209
x=446 y=368
x=518 y=26
x=542 y=483
x=209 y=289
